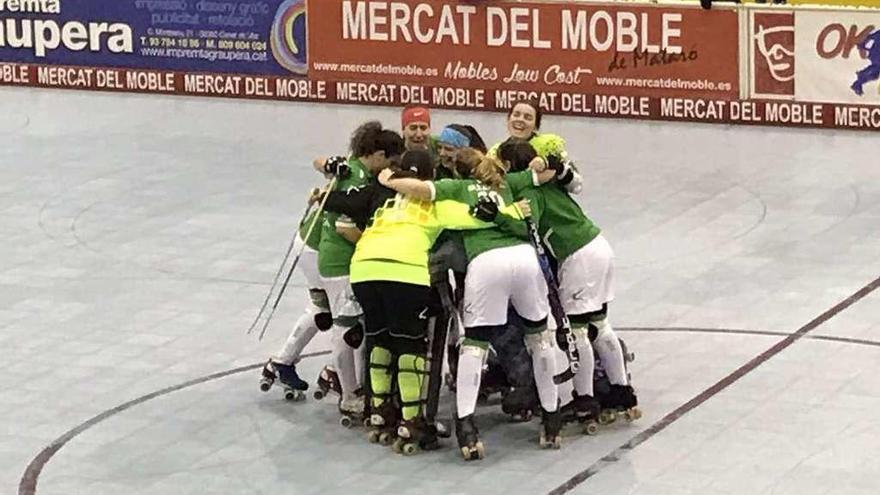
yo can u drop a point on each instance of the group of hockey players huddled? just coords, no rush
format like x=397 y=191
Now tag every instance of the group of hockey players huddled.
x=429 y=244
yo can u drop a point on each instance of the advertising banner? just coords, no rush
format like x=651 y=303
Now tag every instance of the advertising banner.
x=218 y=36
x=812 y=68
x=595 y=48
x=771 y=45
x=837 y=56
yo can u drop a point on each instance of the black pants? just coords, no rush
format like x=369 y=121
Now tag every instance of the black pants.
x=395 y=315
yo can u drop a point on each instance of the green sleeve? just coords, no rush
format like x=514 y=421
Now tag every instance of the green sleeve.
x=450 y=189
x=518 y=182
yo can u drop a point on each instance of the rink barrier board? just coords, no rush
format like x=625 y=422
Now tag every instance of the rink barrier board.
x=816 y=94
x=675 y=109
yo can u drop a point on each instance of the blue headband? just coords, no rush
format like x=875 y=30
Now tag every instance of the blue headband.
x=453 y=138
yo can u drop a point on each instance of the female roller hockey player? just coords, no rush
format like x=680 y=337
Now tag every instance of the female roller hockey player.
x=524 y=122
x=586 y=266
x=371 y=148
x=390 y=277
x=503 y=269
x=282 y=367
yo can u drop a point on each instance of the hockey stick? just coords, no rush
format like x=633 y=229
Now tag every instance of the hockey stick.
x=280 y=270
x=314 y=221
x=437 y=355
x=563 y=330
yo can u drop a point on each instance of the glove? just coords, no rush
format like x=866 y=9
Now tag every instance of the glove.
x=555 y=163
x=338 y=166
x=485 y=209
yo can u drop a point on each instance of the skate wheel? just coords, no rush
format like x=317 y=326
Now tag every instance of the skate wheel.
x=397 y=446
x=481 y=452
x=318 y=395
x=386 y=438
x=367 y=422
x=409 y=449
x=373 y=436
x=346 y=421
x=633 y=414
x=265 y=385
x=591 y=428
x=294 y=395
x=607 y=417
x=474 y=453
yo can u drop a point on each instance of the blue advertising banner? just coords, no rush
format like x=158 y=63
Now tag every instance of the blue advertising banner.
x=218 y=36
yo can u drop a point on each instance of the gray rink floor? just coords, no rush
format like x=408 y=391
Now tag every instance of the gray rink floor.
x=140 y=234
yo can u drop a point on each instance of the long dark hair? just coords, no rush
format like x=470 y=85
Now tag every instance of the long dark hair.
x=517 y=152
x=370 y=137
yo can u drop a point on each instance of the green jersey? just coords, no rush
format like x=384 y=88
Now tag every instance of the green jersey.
x=334 y=251
x=561 y=223
x=314 y=238
x=468 y=191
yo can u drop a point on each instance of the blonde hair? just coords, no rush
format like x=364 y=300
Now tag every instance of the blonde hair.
x=484 y=169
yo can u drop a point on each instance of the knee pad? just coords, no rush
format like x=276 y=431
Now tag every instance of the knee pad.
x=539 y=341
x=319 y=298
x=354 y=336
x=582 y=332
x=469 y=348
x=412 y=363
x=600 y=330
x=324 y=321
x=380 y=357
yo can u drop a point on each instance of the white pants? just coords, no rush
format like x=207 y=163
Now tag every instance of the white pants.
x=503 y=276
x=586 y=278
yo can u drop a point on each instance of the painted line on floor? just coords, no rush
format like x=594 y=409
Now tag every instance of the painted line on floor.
x=710 y=392
x=28 y=483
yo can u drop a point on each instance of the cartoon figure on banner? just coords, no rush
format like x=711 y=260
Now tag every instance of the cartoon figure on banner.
x=288 y=36
x=780 y=60
x=871 y=45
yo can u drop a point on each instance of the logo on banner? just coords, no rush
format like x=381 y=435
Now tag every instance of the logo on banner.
x=288 y=36
x=870 y=45
x=773 y=54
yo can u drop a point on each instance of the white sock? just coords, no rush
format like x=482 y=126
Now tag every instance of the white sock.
x=583 y=380
x=611 y=353
x=303 y=333
x=467 y=383
x=343 y=360
x=543 y=353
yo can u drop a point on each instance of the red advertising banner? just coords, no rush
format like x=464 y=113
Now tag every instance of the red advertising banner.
x=803 y=67
x=772 y=54
x=618 y=48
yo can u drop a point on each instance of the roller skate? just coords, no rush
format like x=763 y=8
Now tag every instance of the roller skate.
x=414 y=435
x=620 y=400
x=328 y=381
x=294 y=387
x=352 y=410
x=586 y=411
x=551 y=429
x=468 y=438
x=520 y=403
x=383 y=424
